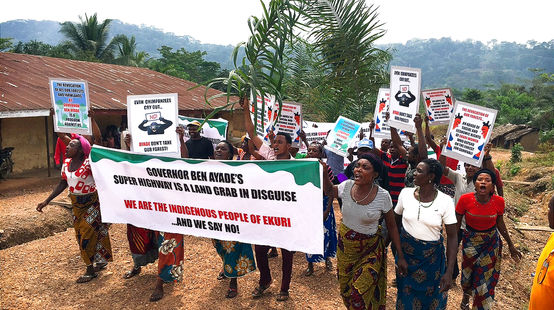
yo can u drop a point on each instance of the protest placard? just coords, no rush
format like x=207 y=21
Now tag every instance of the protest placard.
x=276 y=203
x=290 y=121
x=213 y=129
x=263 y=115
x=342 y=136
x=405 y=84
x=439 y=104
x=315 y=132
x=152 y=120
x=70 y=101
x=382 y=129
x=468 y=132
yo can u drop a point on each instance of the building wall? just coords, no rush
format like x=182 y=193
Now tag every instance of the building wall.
x=530 y=141
x=27 y=136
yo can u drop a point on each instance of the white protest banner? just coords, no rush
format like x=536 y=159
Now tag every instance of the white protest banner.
x=290 y=121
x=342 y=136
x=315 y=132
x=469 y=131
x=265 y=115
x=213 y=129
x=276 y=203
x=152 y=120
x=405 y=84
x=382 y=129
x=70 y=101
x=439 y=104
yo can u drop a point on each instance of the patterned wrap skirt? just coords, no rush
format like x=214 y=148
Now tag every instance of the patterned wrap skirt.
x=238 y=258
x=170 y=256
x=142 y=244
x=481 y=252
x=92 y=235
x=419 y=289
x=361 y=266
x=329 y=237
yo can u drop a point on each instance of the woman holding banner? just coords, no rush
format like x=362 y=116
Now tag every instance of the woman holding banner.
x=423 y=211
x=237 y=257
x=361 y=255
x=315 y=150
x=481 y=244
x=92 y=235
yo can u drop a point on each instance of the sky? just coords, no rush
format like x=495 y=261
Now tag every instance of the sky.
x=225 y=21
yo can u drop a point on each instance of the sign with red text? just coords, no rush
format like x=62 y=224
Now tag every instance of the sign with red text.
x=405 y=88
x=469 y=131
x=152 y=120
x=290 y=121
x=70 y=101
x=382 y=129
x=315 y=132
x=263 y=115
x=276 y=203
x=439 y=104
x=342 y=136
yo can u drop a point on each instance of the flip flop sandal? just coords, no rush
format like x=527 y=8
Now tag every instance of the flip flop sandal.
x=86 y=277
x=308 y=272
x=231 y=293
x=132 y=273
x=259 y=291
x=221 y=276
x=283 y=296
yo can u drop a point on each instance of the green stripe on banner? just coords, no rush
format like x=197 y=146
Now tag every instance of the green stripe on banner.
x=303 y=171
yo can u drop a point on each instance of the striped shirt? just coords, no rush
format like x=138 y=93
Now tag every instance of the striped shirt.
x=397 y=173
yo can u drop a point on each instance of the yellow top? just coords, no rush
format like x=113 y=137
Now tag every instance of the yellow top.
x=542 y=293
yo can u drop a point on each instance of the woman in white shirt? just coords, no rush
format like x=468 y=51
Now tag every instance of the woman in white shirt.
x=361 y=259
x=423 y=211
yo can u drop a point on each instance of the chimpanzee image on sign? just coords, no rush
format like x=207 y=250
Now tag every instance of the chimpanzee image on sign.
x=155 y=128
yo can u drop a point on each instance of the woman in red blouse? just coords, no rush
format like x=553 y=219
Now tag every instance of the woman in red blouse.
x=481 y=244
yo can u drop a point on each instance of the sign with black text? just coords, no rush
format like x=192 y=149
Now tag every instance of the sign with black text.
x=405 y=89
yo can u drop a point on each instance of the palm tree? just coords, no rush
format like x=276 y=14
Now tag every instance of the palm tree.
x=127 y=54
x=88 y=40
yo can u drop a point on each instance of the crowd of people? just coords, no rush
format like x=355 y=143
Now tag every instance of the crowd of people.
x=391 y=195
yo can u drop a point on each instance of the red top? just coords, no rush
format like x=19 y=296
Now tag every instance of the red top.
x=59 y=154
x=480 y=216
x=450 y=163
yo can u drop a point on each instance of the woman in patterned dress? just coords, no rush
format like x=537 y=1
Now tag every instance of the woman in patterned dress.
x=92 y=235
x=481 y=243
x=237 y=257
x=361 y=259
x=423 y=211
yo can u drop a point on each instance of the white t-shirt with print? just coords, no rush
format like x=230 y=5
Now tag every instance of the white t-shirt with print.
x=431 y=219
x=80 y=181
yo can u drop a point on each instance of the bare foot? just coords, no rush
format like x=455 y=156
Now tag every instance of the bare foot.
x=158 y=291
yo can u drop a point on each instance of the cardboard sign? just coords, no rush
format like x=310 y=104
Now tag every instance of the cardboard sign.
x=342 y=136
x=405 y=88
x=213 y=129
x=276 y=203
x=70 y=101
x=290 y=121
x=469 y=131
x=265 y=115
x=439 y=104
x=152 y=120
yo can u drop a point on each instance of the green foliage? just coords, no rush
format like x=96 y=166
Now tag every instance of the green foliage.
x=514 y=169
x=127 y=52
x=88 y=40
x=351 y=66
x=516 y=153
x=5 y=43
x=185 y=65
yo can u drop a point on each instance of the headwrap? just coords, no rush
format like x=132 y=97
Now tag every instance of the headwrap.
x=487 y=171
x=85 y=145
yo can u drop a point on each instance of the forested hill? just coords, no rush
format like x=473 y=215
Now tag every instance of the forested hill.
x=466 y=64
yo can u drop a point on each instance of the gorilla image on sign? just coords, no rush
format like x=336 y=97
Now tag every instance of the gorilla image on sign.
x=404 y=100
x=155 y=128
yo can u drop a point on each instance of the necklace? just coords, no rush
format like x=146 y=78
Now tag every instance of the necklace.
x=421 y=204
x=369 y=192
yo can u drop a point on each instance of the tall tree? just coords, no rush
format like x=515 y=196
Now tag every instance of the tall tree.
x=127 y=52
x=88 y=40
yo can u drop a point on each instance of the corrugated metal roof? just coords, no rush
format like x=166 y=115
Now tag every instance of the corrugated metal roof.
x=24 y=83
